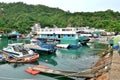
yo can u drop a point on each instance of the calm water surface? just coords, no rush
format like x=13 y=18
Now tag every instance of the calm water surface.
x=63 y=59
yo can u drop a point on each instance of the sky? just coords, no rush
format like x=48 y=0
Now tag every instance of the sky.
x=75 y=5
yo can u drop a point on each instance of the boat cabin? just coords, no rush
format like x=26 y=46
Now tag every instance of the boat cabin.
x=17 y=49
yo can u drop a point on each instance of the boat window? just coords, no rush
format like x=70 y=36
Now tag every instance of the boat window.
x=63 y=29
x=72 y=35
x=9 y=48
x=34 y=42
x=21 y=49
x=66 y=29
x=15 y=48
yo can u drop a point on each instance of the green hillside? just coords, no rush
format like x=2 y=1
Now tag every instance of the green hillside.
x=21 y=17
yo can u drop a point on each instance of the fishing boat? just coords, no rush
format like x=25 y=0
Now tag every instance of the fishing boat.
x=41 y=46
x=26 y=59
x=17 y=53
x=13 y=35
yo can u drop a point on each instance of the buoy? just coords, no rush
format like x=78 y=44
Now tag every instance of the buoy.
x=46 y=61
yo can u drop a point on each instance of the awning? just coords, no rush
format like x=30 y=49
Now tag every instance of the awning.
x=62 y=45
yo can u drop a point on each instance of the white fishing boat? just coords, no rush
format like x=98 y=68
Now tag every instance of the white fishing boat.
x=17 y=53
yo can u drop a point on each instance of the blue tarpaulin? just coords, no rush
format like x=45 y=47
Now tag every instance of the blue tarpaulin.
x=15 y=33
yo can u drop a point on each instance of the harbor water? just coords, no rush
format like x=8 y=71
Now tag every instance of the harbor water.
x=63 y=59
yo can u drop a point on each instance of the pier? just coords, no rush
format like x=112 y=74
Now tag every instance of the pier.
x=114 y=73
x=89 y=73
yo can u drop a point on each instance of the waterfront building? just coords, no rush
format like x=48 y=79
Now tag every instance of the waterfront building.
x=69 y=35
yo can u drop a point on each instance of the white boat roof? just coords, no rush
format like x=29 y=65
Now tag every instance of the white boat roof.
x=62 y=45
x=14 y=44
x=33 y=40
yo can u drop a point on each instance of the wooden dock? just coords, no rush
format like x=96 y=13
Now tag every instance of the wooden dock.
x=115 y=67
x=83 y=74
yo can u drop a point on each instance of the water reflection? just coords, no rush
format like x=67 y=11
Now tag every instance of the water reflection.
x=16 y=65
x=65 y=53
x=63 y=59
x=49 y=59
x=72 y=53
x=59 y=77
x=3 y=42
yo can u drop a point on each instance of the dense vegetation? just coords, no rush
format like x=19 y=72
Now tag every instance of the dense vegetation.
x=21 y=17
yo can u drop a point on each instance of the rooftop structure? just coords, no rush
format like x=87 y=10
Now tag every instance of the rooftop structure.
x=68 y=32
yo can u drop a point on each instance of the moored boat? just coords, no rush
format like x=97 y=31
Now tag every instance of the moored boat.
x=26 y=59
x=17 y=53
x=41 y=46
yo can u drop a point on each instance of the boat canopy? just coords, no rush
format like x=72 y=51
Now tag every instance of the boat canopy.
x=15 y=33
x=62 y=45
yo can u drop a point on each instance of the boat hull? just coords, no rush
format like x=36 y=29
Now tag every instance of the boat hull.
x=40 y=50
x=23 y=59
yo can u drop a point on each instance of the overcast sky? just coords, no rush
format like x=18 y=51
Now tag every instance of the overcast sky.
x=75 y=5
